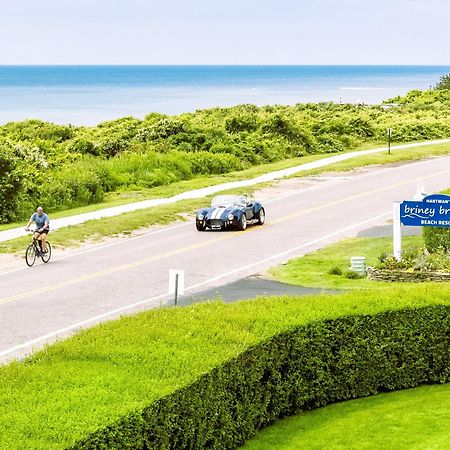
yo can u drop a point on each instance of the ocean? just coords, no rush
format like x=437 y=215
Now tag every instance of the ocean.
x=87 y=95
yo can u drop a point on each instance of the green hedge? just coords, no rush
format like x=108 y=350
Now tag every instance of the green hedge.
x=302 y=368
x=436 y=239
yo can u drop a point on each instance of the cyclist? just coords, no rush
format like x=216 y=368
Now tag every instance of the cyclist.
x=42 y=227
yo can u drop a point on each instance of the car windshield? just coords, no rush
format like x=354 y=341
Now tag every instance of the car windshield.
x=229 y=200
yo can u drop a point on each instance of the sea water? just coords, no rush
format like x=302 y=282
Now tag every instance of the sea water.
x=87 y=95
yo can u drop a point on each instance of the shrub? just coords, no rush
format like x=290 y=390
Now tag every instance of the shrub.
x=214 y=163
x=73 y=186
x=241 y=122
x=162 y=129
x=335 y=271
x=83 y=146
x=299 y=369
x=11 y=178
x=436 y=238
x=110 y=147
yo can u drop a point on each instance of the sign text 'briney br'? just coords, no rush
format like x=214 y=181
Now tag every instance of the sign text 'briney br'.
x=432 y=211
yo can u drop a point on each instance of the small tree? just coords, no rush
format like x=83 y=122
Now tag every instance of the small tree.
x=444 y=83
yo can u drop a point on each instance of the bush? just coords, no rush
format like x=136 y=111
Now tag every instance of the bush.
x=299 y=369
x=241 y=122
x=83 y=146
x=335 y=271
x=436 y=238
x=11 y=179
x=77 y=185
x=213 y=163
x=162 y=129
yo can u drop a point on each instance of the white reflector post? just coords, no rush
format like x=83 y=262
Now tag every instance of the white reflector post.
x=397 y=231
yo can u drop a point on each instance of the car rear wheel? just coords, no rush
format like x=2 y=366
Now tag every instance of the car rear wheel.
x=261 y=216
x=242 y=224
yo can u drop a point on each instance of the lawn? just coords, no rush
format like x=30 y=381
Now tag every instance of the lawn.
x=411 y=419
x=316 y=269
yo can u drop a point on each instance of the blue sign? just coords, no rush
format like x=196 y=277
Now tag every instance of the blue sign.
x=432 y=211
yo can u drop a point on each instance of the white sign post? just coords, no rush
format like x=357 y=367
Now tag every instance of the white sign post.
x=176 y=283
x=397 y=231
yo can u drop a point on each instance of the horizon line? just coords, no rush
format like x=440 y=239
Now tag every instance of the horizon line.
x=217 y=65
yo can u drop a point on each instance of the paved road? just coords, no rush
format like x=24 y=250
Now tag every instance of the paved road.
x=48 y=301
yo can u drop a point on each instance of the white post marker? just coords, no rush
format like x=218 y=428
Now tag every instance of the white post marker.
x=389 y=133
x=397 y=231
x=176 y=283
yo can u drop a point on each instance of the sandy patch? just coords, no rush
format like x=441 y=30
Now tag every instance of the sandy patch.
x=10 y=261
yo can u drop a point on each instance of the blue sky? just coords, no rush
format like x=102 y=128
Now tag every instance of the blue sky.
x=225 y=32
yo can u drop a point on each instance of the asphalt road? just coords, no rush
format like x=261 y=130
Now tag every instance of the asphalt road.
x=47 y=302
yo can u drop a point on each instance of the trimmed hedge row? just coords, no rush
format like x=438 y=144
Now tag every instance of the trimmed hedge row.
x=302 y=368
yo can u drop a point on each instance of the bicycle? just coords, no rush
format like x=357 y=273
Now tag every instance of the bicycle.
x=34 y=250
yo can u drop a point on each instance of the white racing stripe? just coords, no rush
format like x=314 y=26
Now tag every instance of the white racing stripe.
x=154 y=301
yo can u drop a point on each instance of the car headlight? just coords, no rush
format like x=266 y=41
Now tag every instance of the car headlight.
x=230 y=217
x=200 y=217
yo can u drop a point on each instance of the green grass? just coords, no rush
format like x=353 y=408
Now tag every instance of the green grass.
x=412 y=419
x=313 y=269
x=71 y=388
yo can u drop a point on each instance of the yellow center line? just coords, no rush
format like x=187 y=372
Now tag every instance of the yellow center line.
x=207 y=243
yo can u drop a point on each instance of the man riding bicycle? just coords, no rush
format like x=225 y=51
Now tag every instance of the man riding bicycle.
x=42 y=227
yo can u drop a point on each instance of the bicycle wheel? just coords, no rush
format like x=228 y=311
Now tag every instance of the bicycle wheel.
x=30 y=255
x=46 y=256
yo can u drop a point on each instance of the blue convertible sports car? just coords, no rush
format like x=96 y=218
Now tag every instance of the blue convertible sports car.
x=230 y=211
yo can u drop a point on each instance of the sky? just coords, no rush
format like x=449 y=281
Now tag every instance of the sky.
x=225 y=32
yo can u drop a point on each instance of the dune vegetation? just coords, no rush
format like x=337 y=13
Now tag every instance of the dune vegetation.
x=63 y=166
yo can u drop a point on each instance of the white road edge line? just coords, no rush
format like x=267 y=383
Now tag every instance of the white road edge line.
x=151 y=300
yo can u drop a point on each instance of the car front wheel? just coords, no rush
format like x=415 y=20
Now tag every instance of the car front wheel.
x=261 y=216
x=242 y=224
x=201 y=226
